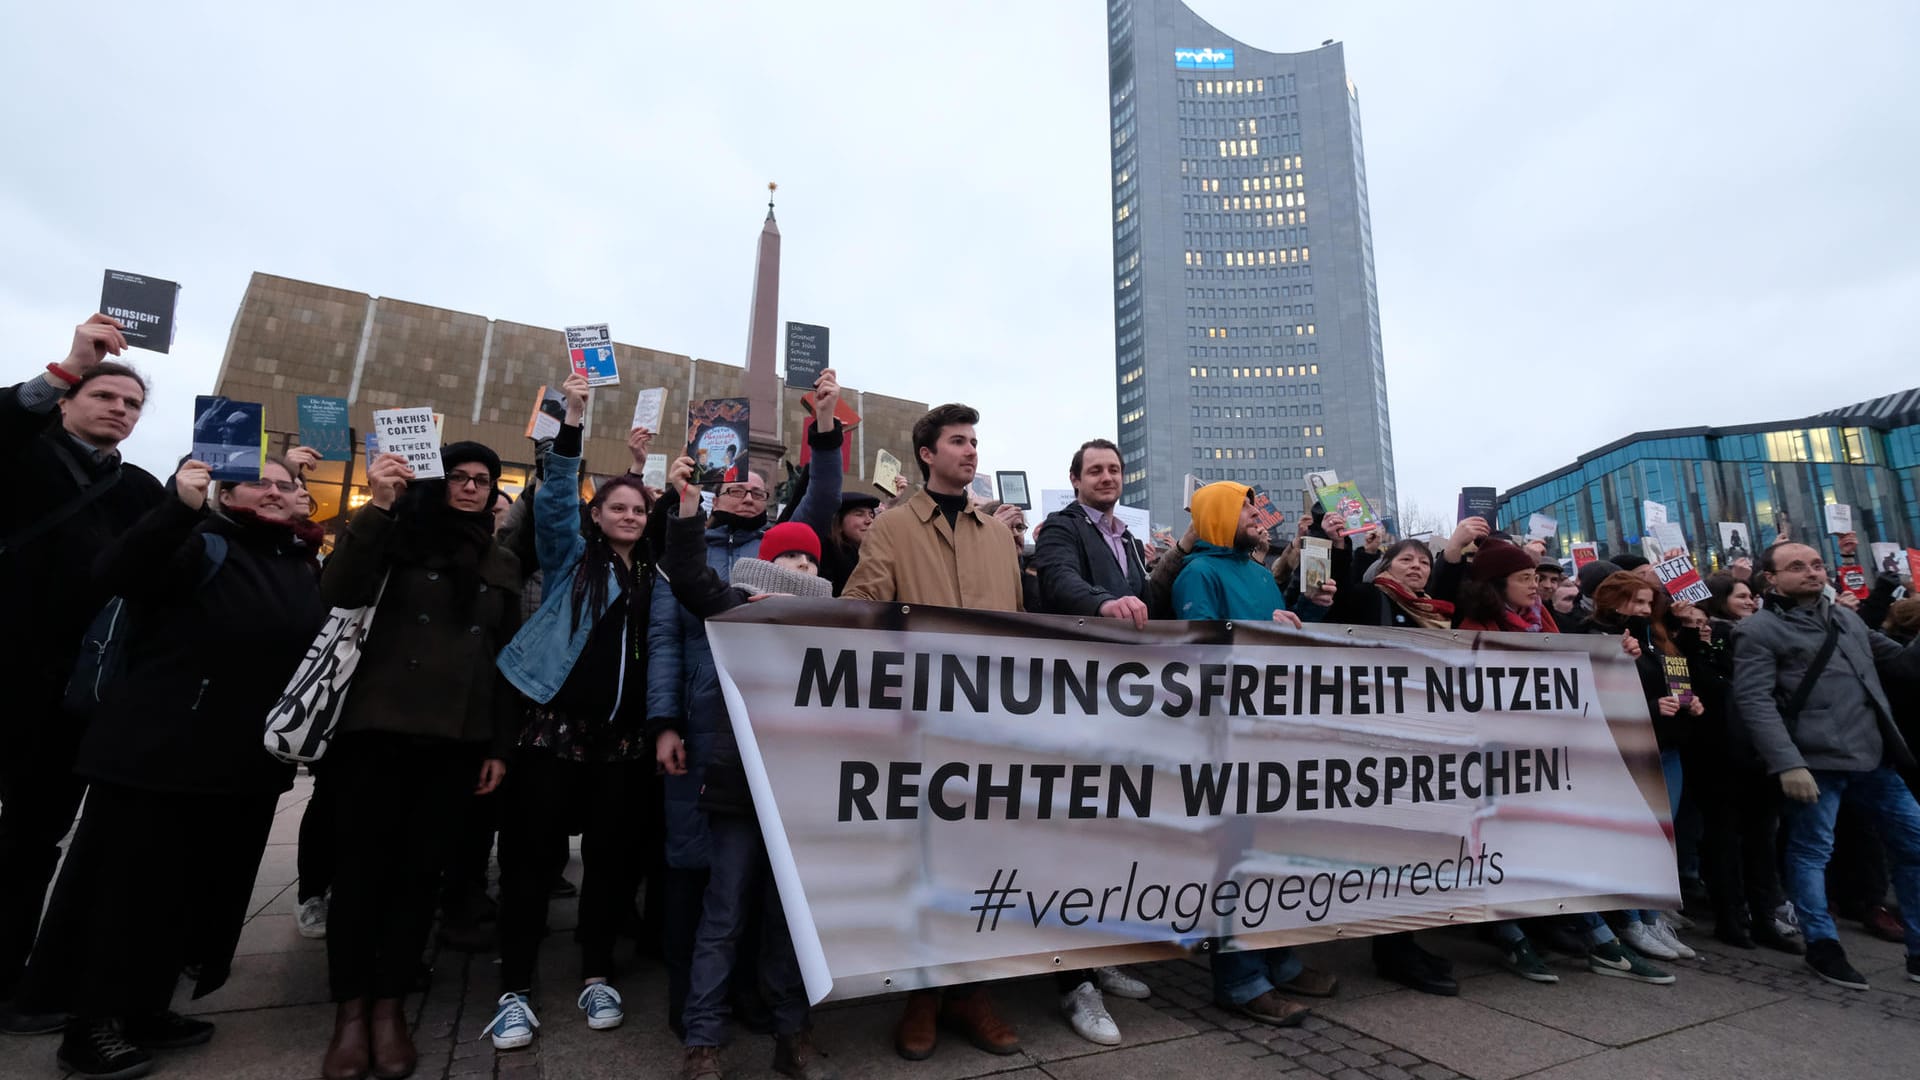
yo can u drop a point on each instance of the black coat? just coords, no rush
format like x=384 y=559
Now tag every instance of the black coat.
x=705 y=593
x=1077 y=570
x=428 y=665
x=50 y=596
x=204 y=663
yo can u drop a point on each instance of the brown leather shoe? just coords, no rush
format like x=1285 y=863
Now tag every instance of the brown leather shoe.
x=700 y=1063
x=969 y=1011
x=918 y=1031
x=347 y=1055
x=1271 y=1008
x=796 y=1056
x=1311 y=983
x=393 y=1054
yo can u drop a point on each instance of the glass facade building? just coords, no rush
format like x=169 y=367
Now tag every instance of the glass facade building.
x=1246 y=323
x=1763 y=477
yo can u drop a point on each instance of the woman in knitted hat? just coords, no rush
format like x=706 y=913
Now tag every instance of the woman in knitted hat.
x=581 y=760
x=1502 y=592
x=424 y=728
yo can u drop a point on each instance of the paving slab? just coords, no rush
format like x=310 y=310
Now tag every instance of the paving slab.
x=1034 y=1006
x=1459 y=1033
x=1618 y=1012
x=1210 y=1056
x=264 y=1044
x=275 y=934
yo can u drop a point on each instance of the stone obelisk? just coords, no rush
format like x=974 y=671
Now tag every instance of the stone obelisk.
x=763 y=351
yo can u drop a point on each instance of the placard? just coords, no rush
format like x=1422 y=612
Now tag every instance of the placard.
x=143 y=306
x=323 y=426
x=1316 y=563
x=1853 y=578
x=649 y=408
x=886 y=470
x=1584 y=553
x=549 y=412
x=1889 y=559
x=806 y=354
x=1839 y=518
x=230 y=436
x=717 y=434
x=654 y=472
x=1541 y=527
x=1682 y=580
x=590 y=351
x=1344 y=499
x=982 y=487
x=1480 y=502
x=1013 y=489
x=409 y=433
x=1733 y=540
x=1653 y=513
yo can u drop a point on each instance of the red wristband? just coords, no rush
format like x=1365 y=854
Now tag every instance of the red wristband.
x=64 y=375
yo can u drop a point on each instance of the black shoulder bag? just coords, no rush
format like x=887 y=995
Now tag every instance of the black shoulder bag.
x=88 y=493
x=1790 y=712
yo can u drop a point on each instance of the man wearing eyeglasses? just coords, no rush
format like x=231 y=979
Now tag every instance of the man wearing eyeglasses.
x=684 y=704
x=1806 y=680
x=60 y=434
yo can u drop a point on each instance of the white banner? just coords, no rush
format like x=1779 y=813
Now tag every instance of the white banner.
x=955 y=796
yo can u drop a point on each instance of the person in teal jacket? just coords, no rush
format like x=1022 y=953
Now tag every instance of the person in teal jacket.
x=1221 y=580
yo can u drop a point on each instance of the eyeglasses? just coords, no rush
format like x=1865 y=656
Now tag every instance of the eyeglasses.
x=472 y=480
x=286 y=486
x=742 y=491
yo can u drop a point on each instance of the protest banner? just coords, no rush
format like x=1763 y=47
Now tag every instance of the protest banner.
x=806 y=354
x=717 y=431
x=549 y=412
x=323 y=426
x=410 y=433
x=1839 y=518
x=230 y=436
x=590 y=351
x=1682 y=579
x=143 y=306
x=886 y=469
x=966 y=796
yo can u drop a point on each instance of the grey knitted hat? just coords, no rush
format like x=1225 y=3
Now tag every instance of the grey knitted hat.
x=760 y=576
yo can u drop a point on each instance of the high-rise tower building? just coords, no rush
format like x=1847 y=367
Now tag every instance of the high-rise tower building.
x=1246 y=322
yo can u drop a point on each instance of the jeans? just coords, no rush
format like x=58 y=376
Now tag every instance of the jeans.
x=739 y=881
x=1809 y=842
x=1239 y=977
x=1670 y=770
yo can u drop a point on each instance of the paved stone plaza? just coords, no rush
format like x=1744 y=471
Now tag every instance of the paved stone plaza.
x=1734 y=1013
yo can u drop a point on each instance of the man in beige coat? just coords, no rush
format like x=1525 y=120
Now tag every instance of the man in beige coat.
x=936 y=550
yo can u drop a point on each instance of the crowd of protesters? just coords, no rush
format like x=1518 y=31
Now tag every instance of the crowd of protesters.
x=555 y=650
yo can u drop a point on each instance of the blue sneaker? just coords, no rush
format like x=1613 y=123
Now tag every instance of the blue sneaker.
x=602 y=1003
x=512 y=1027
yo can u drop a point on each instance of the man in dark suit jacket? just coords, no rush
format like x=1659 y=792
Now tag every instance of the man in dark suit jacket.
x=1089 y=564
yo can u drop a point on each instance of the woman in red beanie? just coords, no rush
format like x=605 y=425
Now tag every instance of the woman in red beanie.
x=1502 y=593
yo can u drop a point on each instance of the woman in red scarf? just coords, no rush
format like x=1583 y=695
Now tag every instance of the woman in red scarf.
x=1502 y=593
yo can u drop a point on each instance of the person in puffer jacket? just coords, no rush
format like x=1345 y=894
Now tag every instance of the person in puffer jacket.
x=740 y=883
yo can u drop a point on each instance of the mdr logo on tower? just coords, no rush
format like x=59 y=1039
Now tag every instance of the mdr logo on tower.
x=1203 y=59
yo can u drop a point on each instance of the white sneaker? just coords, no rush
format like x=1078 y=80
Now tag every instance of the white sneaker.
x=1644 y=941
x=512 y=1027
x=1116 y=981
x=312 y=919
x=1671 y=940
x=602 y=1006
x=1786 y=921
x=1088 y=1014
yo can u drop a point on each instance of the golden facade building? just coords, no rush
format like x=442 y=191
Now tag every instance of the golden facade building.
x=484 y=375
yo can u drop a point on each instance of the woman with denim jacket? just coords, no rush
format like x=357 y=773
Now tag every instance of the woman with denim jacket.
x=580 y=762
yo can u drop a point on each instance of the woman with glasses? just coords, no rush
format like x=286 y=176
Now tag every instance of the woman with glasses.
x=582 y=761
x=220 y=597
x=425 y=726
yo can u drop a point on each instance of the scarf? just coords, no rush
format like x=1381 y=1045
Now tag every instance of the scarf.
x=430 y=533
x=1429 y=613
x=297 y=534
x=1534 y=620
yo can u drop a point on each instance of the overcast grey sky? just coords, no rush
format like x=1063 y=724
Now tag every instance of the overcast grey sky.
x=1588 y=219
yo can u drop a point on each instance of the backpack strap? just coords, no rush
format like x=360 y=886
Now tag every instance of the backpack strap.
x=35 y=531
x=1790 y=712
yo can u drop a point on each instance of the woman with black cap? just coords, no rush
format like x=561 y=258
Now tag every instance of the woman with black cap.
x=424 y=728
x=840 y=543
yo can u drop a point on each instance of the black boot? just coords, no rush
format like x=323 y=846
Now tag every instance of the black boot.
x=97 y=1050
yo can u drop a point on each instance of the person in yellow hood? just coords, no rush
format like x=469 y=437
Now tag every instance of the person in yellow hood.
x=1221 y=580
